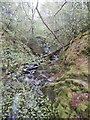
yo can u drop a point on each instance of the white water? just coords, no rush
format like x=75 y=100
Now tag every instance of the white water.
x=15 y=106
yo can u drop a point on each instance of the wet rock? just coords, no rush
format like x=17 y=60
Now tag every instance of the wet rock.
x=55 y=57
x=35 y=75
x=40 y=82
x=29 y=79
x=51 y=79
x=28 y=67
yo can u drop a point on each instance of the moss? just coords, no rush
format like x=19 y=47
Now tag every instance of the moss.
x=86 y=51
x=58 y=95
x=29 y=103
x=63 y=91
x=13 y=54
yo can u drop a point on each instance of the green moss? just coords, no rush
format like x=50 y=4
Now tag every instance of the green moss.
x=63 y=95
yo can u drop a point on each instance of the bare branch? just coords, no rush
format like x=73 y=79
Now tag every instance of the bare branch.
x=60 y=8
x=46 y=24
x=25 y=12
x=33 y=10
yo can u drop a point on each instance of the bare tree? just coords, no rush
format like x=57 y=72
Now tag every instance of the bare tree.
x=46 y=24
x=32 y=16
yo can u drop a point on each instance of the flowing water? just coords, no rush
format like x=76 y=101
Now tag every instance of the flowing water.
x=34 y=77
x=15 y=106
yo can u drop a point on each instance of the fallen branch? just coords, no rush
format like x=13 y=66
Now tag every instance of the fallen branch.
x=65 y=47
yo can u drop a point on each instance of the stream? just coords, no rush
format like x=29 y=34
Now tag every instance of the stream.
x=30 y=78
x=34 y=76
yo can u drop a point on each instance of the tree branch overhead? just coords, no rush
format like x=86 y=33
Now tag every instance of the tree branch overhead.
x=60 y=8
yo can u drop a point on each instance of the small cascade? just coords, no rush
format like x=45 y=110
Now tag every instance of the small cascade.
x=36 y=76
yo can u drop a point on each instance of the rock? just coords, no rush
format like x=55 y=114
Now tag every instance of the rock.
x=28 y=67
x=51 y=79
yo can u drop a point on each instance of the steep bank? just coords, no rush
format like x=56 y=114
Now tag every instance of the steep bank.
x=72 y=83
